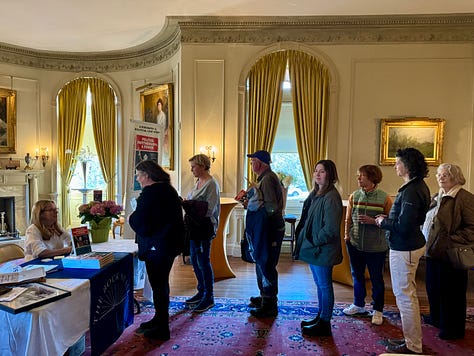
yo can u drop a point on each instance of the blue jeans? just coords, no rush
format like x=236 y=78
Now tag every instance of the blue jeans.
x=322 y=276
x=200 y=254
x=375 y=262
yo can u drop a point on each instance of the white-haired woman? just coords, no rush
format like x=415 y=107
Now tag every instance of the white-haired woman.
x=451 y=219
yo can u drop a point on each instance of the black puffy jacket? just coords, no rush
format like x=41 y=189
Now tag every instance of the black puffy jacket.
x=407 y=215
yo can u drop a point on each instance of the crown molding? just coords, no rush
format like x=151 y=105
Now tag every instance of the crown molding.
x=328 y=29
x=162 y=47
x=443 y=28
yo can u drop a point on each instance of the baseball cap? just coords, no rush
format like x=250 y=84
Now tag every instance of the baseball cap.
x=262 y=155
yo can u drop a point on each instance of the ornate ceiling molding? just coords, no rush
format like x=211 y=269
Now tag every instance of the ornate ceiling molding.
x=157 y=50
x=253 y=30
x=328 y=29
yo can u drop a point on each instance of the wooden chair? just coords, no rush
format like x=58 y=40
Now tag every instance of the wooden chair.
x=291 y=219
x=118 y=222
x=9 y=252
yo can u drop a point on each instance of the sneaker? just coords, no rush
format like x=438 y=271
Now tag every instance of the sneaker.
x=377 y=318
x=354 y=310
x=194 y=299
x=394 y=341
x=203 y=305
x=400 y=349
x=255 y=302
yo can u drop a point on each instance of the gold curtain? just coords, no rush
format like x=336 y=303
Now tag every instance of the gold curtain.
x=71 y=123
x=265 y=96
x=105 y=130
x=310 y=94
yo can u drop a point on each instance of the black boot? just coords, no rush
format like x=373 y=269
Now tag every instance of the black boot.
x=255 y=302
x=309 y=322
x=268 y=309
x=321 y=328
x=159 y=332
x=150 y=324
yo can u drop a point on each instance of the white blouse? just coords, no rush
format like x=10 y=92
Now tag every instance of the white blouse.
x=34 y=243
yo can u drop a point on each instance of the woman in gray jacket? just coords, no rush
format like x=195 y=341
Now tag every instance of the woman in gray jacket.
x=319 y=242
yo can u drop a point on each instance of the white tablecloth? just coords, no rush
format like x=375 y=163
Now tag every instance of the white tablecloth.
x=125 y=245
x=50 y=329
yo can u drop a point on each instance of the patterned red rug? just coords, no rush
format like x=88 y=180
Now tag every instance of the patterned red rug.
x=227 y=329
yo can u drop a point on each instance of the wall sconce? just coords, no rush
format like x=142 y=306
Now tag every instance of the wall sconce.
x=43 y=154
x=210 y=151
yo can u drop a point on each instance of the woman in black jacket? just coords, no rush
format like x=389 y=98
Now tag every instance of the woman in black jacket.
x=158 y=224
x=407 y=244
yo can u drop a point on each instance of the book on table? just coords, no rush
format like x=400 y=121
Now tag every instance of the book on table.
x=81 y=242
x=91 y=260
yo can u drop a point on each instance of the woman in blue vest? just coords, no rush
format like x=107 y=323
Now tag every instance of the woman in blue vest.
x=366 y=242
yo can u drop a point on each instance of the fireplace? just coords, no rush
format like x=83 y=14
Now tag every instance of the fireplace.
x=7 y=217
x=18 y=191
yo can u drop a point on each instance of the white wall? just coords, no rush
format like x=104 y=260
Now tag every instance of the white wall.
x=370 y=82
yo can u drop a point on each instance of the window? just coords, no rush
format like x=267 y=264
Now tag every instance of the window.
x=82 y=190
x=285 y=158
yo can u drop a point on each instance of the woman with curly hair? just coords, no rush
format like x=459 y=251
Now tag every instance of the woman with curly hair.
x=407 y=244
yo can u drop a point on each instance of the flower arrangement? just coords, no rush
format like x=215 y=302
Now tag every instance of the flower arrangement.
x=96 y=211
x=285 y=179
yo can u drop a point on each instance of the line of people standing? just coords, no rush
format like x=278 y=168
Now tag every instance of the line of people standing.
x=370 y=216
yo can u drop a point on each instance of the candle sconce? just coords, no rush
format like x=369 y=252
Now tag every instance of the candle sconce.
x=210 y=151
x=42 y=154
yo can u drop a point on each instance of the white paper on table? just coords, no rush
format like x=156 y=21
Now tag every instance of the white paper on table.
x=15 y=292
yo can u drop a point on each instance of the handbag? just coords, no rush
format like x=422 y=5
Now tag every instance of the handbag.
x=461 y=256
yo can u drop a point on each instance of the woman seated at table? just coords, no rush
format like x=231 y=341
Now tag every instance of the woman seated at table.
x=45 y=237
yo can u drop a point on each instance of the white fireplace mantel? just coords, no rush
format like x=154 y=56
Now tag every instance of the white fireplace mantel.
x=23 y=186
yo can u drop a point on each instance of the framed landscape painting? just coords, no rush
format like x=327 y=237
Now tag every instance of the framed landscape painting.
x=424 y=134
x=157 y=107
x=7 y=121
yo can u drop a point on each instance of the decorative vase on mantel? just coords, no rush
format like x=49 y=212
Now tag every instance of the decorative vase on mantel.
x=100 y=230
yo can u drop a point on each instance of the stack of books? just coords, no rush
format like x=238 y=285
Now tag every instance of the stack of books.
x=82 y=255
x=91 y=260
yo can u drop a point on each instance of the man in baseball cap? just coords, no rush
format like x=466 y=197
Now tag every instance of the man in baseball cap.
x=262 y=155
x=265 y=228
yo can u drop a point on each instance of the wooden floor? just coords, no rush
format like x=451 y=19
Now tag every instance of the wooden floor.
x=295 y=283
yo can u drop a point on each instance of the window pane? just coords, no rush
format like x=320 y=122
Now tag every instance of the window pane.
x=285 y=158
x=81 y=192
x=289 y=163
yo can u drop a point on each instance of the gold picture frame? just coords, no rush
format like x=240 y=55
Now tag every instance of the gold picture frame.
x=424 y=134
x=7 y=121
x=150 y=112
